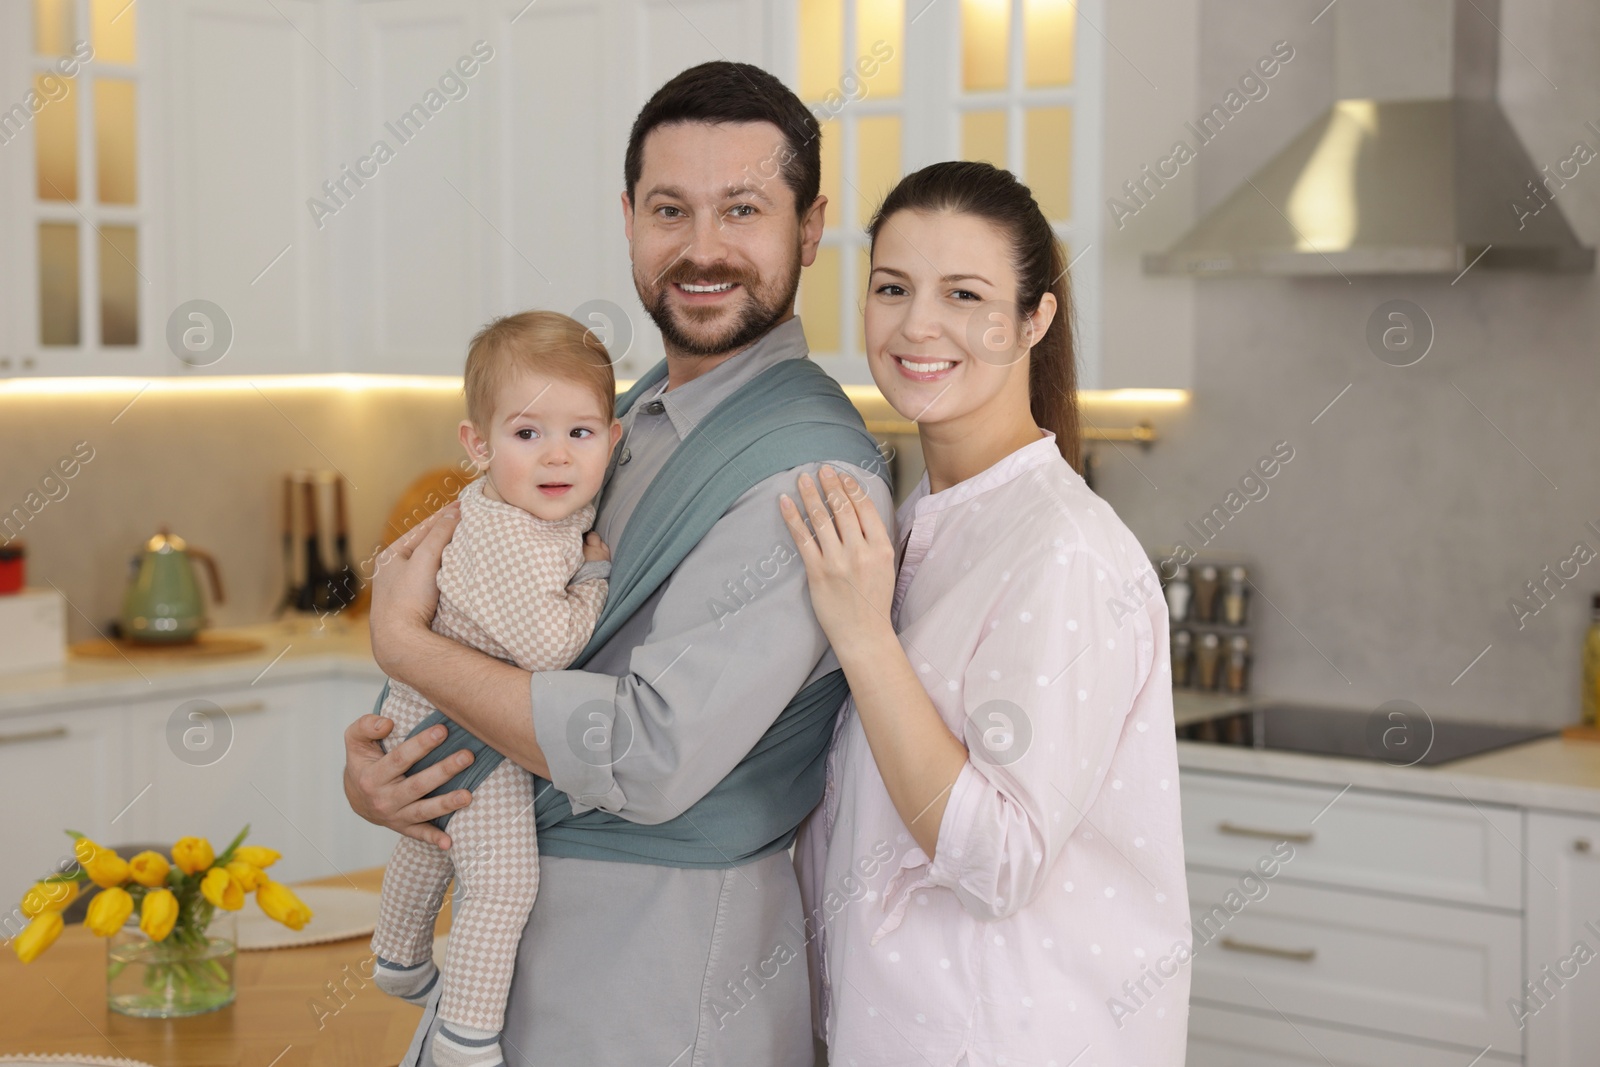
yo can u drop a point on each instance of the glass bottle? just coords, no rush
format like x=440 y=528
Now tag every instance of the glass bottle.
x=1205 y=594
x=1236 y=598
x=1179 y=593
x=1182 y=658
x=1236 y=679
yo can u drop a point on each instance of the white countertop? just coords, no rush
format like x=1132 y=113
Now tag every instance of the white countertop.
x=290 y=653
x=1550 y=774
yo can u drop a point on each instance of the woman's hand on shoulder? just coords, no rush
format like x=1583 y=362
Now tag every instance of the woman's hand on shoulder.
x=848 y=556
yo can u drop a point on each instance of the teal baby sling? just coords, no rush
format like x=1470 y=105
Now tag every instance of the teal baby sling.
x=790 y=414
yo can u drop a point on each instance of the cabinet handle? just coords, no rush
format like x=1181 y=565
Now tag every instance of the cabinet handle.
x=1581 y=845
x=245 y=709
x=1226 y=827
x=33 y=735
x=1303 y=955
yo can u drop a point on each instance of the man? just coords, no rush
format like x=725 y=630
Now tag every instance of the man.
x=682 y=756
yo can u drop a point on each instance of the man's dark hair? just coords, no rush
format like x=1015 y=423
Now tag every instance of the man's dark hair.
x=721 y=91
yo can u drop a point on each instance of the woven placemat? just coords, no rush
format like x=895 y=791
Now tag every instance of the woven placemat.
x=337 y=913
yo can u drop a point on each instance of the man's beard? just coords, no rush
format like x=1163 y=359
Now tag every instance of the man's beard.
x=762 y=307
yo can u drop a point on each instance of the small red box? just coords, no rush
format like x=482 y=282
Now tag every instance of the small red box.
x=11 y=569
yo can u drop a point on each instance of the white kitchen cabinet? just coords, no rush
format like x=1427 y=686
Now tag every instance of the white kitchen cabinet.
x=264 y=193
x=246 y=101
x=1393 y=934
x=61 y=770
x=1416 y=846
x=216 y=759
x=353 y=843
x=1563 y=1019
x=16 y=314
x=509 y=197
x=202 y=761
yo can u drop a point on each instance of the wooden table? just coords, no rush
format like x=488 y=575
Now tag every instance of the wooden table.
x=296 y=1007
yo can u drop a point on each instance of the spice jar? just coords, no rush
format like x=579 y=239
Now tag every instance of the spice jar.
x=1237 y=675
x=1179 y=593
x=1205 y=594
x=1182 y=657
x=1207 y=659
x=1236 y=597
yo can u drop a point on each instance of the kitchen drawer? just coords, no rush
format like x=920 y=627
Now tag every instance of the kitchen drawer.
x=1440 y=849
x=1413 y=969
x=1223 y=1037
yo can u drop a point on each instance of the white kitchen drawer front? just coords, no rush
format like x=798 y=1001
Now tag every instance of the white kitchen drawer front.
x=1440 y=849
x=210 y=774
x=1220 y=1037
x=1409 y=968
x=58 y=771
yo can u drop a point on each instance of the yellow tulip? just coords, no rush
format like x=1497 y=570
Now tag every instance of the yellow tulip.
x=48 y=896
x=219 y=887
x=37 y=936
x=248 y=875
x=108 y=910
x=104 y=867
x=158 y=914
x=192 y=854
x=257 y=855
x=149 y=869
x=281 y=905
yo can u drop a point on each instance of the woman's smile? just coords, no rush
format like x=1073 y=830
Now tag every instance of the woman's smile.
x=924 y=368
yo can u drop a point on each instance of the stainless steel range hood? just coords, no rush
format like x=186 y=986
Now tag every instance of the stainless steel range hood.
x=1394 y=182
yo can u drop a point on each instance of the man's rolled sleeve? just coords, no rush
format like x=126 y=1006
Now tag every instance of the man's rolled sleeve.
x=572 y=713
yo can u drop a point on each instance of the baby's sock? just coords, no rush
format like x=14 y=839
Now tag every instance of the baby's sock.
x=412 y=983
x=465 y=1046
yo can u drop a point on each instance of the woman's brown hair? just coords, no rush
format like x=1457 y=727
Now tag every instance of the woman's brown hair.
x=984 y=191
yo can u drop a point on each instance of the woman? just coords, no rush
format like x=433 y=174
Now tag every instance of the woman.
x=995 y=874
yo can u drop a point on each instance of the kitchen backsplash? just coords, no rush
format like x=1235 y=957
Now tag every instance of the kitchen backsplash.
x=1421 y=500
x=210 y=466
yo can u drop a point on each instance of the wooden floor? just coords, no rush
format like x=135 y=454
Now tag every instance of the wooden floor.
x=295 y=1007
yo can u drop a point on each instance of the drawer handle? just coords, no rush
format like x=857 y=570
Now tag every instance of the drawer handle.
x=245 y=709
x=1581 y=845
x=1303 y=955
x=33 y=735
x=1227 y=827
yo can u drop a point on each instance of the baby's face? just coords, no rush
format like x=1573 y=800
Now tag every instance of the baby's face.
x=547 y=446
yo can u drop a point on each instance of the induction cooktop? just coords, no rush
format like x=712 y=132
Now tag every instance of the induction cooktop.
x=1398 y=733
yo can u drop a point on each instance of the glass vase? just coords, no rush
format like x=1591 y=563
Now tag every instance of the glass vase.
x=189 y=972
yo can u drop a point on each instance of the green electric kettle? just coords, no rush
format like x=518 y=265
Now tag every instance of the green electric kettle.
x=163 y=602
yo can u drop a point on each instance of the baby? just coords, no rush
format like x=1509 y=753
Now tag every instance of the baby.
x=519 y=582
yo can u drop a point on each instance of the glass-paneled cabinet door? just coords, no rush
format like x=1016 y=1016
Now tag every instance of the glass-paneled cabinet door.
x=77 y=281
x=899 y=84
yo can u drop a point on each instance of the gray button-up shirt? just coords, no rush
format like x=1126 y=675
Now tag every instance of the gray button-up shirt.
x=705 y=666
